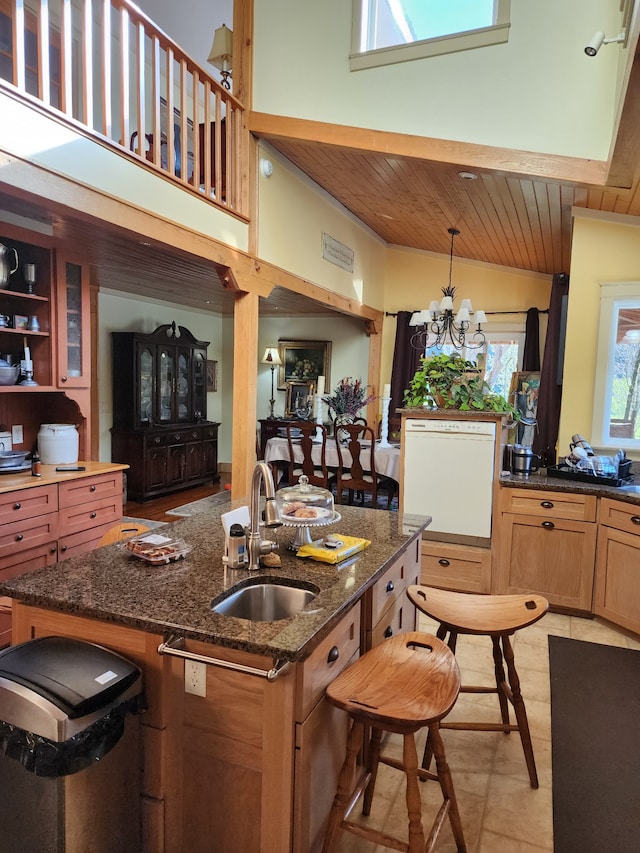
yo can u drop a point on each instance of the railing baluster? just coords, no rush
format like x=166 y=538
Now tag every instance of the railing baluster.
x=87 y=64
x=141 y=98
x=184 y=137
x=106 y=68
x=155 y=101
x=44 y=77
x=124 y=77
x=19 y=69
x=171 y=151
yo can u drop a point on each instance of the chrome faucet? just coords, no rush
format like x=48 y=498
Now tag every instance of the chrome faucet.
x=255 y=546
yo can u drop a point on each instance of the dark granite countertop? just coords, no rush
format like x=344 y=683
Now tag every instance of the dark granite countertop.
x=629 y=492
x=111 y=585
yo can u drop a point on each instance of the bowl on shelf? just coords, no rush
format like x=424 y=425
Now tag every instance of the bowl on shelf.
x=13 y=458
x=8 y=372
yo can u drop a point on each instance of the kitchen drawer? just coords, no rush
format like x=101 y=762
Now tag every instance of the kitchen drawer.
x=210 y=432
x=459 y=567
x=90 y=489
x=622 y=516
x=84 y=540
x=398 y=617
x=28 y=560
x=88 y=516
x=20 y=535
x=573 y=507
x=27 y=503
x=326 y=662
x=401 y=574
x=5 y=622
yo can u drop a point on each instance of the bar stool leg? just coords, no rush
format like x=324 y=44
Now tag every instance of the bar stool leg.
x=372 y=765
x=341 y=800
x=520 y=712
x=500 y=681
x=414 y=803
x=446 y=785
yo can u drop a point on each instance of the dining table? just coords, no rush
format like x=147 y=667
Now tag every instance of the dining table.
x=387 y=457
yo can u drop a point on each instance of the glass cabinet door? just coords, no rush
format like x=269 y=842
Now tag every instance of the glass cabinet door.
x=146 y=380
x=183 y=389
x=166 y=384
x=199 y=397
x=74 y=357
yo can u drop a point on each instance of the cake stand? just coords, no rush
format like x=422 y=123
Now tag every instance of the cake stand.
x=303 y=526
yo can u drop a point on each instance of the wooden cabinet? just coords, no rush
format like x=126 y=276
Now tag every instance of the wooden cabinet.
x=45 y=524
x=547 y=545
x=386 y=610
x=464 y=568
x=617 y=584
x=159 y=411
x=72 y=306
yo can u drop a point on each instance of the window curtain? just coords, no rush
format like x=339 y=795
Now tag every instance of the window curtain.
x=406 y=360
x=531 y=354
x=550 y=393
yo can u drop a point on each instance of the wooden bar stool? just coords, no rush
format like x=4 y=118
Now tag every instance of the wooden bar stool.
x=402 y=685
x=497 y=616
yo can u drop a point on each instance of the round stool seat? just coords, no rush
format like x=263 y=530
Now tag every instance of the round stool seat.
x=467 y=613
x=400 y=685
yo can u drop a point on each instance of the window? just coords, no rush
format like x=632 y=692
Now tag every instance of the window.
x=389 y=31
x=616 y=405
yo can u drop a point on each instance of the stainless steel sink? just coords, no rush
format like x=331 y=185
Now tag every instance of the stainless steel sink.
x=266 y=599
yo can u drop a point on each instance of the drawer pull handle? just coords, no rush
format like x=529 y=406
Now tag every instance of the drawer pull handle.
x=548 y=525
x=443 y=562
x=157 y=440
x=390 y=586
x=93 y=515
x=17 y=506
x=53 y=549
x=547 y=504
x=92 y=488
x=19 y=537
x=63 y=548
x=334 y=654
x=635 y=519
x=388 y=632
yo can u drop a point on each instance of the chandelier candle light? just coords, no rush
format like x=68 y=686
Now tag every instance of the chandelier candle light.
x=317 y=403
x=440 y=327
x=272 y=358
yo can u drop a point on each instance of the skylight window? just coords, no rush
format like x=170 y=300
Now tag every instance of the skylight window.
x=389 y=31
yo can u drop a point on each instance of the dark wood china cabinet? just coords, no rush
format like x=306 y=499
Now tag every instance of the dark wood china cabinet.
x=160 y=426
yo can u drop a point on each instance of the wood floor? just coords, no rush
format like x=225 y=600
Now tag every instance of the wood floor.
x=156 y=509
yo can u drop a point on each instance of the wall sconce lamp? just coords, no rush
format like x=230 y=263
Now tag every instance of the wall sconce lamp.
x=599 y=39
x=221 y=53
x=272 y=358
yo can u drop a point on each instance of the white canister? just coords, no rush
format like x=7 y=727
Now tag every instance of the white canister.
x=58 y=444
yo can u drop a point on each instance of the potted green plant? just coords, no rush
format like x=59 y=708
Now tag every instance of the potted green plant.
x=450 y=381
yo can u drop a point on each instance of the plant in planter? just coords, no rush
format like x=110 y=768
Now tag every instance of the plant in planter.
x=452 y=382
x=348 y=398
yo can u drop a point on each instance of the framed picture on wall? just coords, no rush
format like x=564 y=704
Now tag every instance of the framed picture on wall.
x=303 y=361
x=524 y=390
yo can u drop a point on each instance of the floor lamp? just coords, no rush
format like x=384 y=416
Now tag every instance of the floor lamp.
x=272 y=358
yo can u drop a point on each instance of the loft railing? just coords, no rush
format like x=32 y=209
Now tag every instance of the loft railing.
x=106 y=67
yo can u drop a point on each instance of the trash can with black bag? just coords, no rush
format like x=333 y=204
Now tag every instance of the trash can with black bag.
x=69 y=748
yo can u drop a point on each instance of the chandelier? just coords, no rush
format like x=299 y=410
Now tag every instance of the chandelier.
x=439 y=326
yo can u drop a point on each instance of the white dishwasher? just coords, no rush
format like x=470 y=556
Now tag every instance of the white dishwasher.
x=448 y=474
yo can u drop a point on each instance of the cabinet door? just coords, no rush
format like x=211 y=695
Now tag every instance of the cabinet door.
x=199 y=390
x=155 y=469
x=193 y=460
x=145 y=412
x=184 y=385
x=73 y=339
x=553 y=558
x=617 y=587
x=166 y=385
x=176 y=462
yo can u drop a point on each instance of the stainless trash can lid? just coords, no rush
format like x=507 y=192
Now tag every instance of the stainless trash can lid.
x=48 y=682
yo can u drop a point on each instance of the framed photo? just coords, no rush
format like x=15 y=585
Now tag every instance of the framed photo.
x=304 y=361
x=299 y=399
x=212 y=375
x=524 y=391
x=20 y=322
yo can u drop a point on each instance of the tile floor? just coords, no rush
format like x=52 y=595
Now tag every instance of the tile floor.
x=500 y=812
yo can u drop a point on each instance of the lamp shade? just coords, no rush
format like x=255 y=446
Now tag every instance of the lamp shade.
x=480 y=317
x=271 y=356
x=221 y=53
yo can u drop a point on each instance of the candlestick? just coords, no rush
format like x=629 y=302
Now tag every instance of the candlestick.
x=317 y=416
x=320 y=385
x=387 y=391
x=384 y=426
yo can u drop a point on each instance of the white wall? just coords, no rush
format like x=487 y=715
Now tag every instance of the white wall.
x=119 y=313
x=539 y=92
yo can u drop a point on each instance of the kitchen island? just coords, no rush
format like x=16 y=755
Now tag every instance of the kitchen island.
x=252 y=763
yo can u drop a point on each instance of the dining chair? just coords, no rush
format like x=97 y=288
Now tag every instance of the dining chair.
x=302 y=434
x=360 y=476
